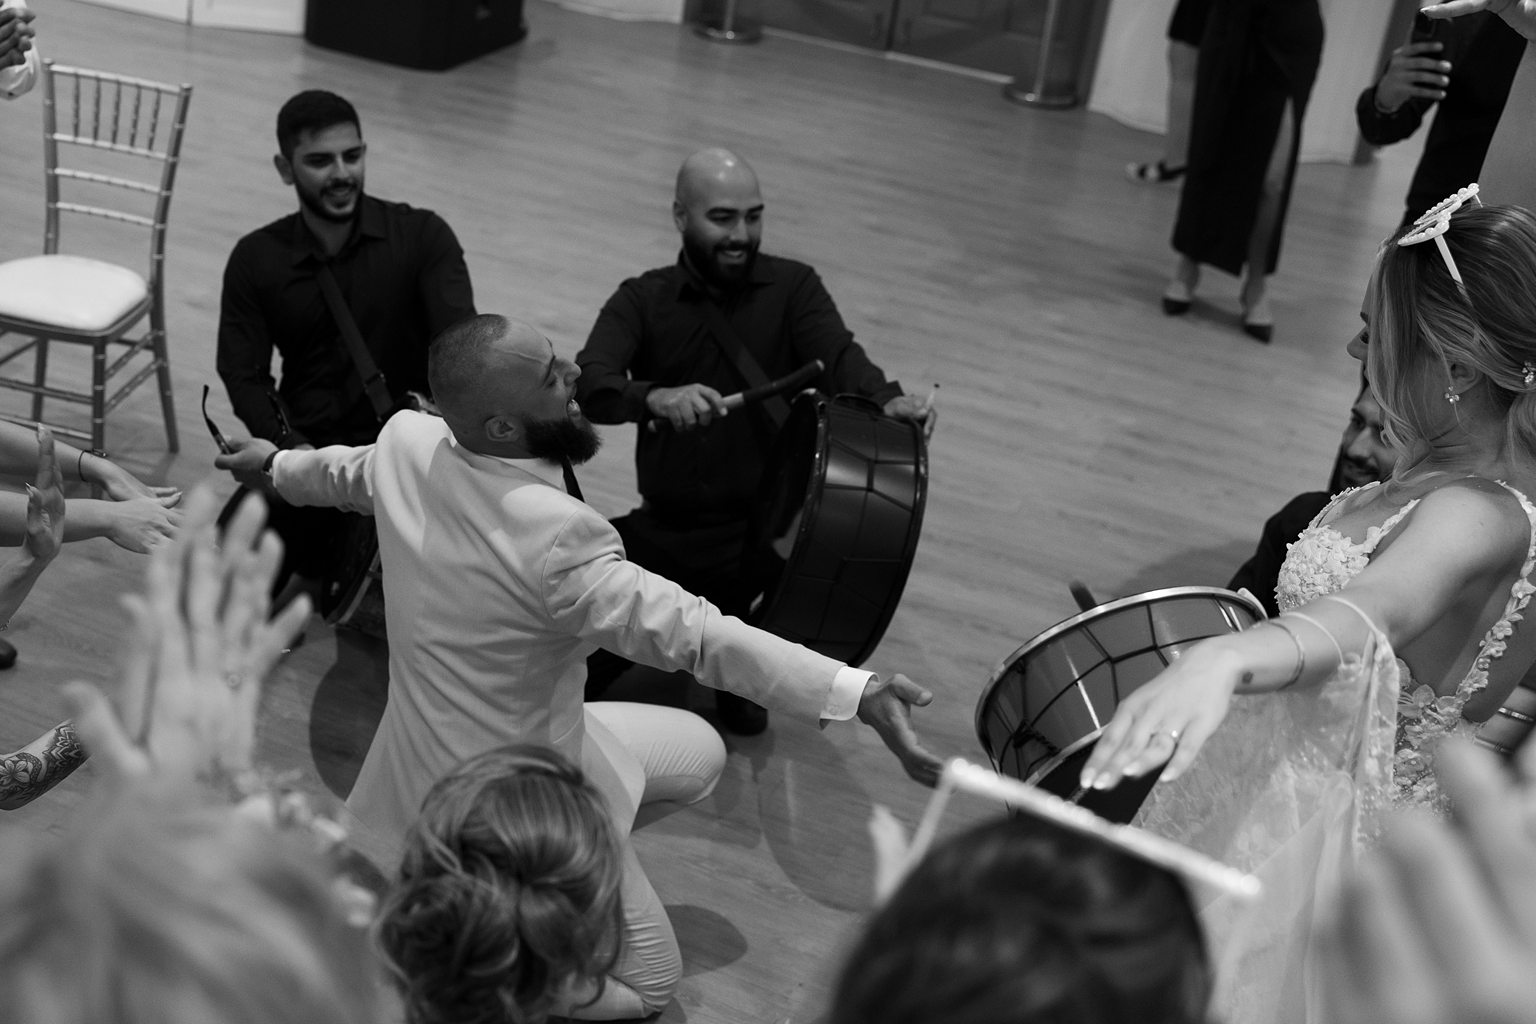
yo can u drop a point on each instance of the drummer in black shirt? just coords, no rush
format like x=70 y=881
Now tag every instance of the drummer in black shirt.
x=400 y=272
x=653 y=355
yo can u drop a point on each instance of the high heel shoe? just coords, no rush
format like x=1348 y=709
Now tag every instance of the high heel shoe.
x=1258 y=321
x=1177 y=298
x=1153 y=174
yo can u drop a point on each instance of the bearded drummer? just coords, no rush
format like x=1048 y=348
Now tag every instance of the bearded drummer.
x=669 y=346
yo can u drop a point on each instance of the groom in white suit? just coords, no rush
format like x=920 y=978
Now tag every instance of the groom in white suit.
x=498 y=583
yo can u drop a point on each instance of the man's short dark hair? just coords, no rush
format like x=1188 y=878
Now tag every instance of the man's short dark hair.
x=313 y=110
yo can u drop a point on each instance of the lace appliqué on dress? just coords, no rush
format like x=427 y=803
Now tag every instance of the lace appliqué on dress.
x=1322 y=559
x=1424 y=719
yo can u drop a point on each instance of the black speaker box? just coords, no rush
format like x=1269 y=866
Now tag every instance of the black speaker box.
x=430 y=34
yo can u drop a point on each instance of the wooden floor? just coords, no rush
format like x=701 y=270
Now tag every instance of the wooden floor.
x=993 y=249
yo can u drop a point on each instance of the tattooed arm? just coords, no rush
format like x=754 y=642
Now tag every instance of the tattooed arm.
x=39 y=766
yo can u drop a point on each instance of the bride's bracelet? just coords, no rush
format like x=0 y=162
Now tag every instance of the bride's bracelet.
x=1301 y=653
x=1304 y=617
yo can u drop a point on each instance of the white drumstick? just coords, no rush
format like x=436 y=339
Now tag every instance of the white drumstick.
x=1163 y=852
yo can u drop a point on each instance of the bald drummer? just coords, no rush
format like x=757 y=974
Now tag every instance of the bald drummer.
x=657 y=352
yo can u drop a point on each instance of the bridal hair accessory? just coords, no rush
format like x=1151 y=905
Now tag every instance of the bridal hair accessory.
x=1435 y=221
x=1528 y=373
x=1451 y=396
x=1020 y=796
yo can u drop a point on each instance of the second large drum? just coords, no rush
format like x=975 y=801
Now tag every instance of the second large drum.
x=837 y=524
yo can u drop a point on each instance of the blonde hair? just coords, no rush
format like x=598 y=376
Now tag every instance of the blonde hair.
x=155 y=908
x=508 y=892
x=1422 y=320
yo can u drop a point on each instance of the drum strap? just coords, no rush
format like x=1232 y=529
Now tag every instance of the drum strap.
x=362 y=360
x=751 y=374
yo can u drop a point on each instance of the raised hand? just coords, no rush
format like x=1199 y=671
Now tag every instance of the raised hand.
x=1520 y=14
x=886 y=707
x=1440 y=922
x=45 y=503
x=199 y=644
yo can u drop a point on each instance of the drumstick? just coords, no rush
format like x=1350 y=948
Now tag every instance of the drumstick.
x=933 y=393
x=1162 y=852
x=789 y=382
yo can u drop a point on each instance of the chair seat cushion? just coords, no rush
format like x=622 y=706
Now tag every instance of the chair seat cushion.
x=74 y=293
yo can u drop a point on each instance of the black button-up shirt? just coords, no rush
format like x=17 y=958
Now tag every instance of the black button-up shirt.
x=651 y=333
x=403 y=275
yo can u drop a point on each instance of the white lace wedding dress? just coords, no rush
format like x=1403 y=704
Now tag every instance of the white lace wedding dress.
x=1293 y=784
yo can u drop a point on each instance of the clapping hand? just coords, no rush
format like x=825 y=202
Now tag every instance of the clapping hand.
x=16 y=34
x=1439 y=923
x=45 y=503
x=199 y=644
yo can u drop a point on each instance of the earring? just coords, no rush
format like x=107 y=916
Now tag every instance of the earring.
x=1451 y=396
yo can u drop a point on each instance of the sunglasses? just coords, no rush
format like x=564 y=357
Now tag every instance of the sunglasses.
x=213 y=428
x=219 y=439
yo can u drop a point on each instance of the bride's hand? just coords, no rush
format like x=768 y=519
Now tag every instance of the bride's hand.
x=1169 y=719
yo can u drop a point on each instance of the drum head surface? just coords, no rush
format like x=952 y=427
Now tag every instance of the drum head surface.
x=1044 y=707
x=838 y=523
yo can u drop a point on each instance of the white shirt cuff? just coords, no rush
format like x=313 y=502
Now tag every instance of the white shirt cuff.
x=847 y=689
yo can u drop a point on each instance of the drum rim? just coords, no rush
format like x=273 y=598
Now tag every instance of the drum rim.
x=1130 y=600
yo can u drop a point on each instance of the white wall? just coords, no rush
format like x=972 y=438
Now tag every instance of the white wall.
x=285 y=16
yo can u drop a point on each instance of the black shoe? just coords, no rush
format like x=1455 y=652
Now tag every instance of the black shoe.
x=1153 y=174
x=7 y=654
x=1177 y=298
x=739 y=715
x=1259 y=322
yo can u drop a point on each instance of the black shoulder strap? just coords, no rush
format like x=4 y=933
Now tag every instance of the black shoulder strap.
x=362 y=360
x=725 y=336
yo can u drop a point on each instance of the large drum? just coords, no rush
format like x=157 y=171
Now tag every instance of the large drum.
x=1044 y=708
x=837 y=524
x=352 y=597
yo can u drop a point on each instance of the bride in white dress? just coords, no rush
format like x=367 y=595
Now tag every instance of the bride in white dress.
x=1402 y=615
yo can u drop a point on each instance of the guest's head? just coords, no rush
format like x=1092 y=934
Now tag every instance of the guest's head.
x=1364 y=452
x=321 y=153
x=1432 y=338
x=154 y=908
x=718 y=208
x=1014 y=922
x=508 y=892
x=504 y=391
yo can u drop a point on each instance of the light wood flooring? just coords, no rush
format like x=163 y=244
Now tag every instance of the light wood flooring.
x=996 y=250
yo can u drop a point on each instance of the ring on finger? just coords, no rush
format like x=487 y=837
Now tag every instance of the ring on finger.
x=1172 y=734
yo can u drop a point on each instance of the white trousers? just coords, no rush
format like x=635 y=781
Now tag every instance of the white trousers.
x=683 y=757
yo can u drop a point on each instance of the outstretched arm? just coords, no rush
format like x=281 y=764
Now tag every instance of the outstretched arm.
x=1459 y=541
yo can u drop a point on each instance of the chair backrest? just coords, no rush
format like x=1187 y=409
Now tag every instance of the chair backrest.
x=132 y=128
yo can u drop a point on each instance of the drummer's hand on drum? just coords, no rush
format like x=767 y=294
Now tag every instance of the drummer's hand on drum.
x=244 y=460
x=692 y=405
x=886 y=707
x=918 y=410
x=1167 y=720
